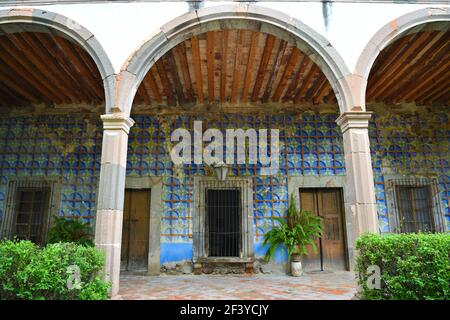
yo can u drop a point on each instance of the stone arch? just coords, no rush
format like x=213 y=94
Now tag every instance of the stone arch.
x=73 y=31
x=251 y=17
x=387 y=35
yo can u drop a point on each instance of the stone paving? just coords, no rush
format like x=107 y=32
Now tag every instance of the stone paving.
x=310 y=286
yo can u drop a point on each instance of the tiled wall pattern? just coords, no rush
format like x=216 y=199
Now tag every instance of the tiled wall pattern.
x=411 y=144
x=69 y=146
x=56 y=146
x=310 y=144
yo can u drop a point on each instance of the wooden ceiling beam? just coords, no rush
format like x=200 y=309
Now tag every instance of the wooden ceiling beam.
x=46 y=68
x=10 y=98
x=142 y=95
x=275 y=68
x=414 y=61
x=20 y=68
x=197 y=68
x=147 y=88
x=250 y=64
x=287 y=73
x=210 y=64
x=237 y=65
x=304 y=86
x=316 y=84
x=427 y=77
x=223 y=70
x=11 y=80
x=385 y=61
x=48 y=64
x=294 y=83
x=392 y=73
x=436 y=89
x=180 y=53
x=270 y=40
x=71 y=56
x=167 y=87
x=153 y=86
x=79 y=83
x=319 y=92
x=89 y=63
x=420 y=71
x=16 y=56
x=443 y=98
x=169 y=61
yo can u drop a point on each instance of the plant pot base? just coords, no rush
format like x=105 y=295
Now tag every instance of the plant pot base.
x=296 y=268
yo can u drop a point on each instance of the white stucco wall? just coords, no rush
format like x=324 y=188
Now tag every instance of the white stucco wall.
x=122 y=27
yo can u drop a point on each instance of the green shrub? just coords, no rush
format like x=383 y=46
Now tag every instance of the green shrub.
x=413 y=266
x=69 y=230
x=50 y=273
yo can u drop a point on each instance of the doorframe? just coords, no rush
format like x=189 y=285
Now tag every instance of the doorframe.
x=324 y=182
x=155 y=185
x=199 y=218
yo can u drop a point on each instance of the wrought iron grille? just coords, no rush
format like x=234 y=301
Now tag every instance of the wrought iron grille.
x=416 y=205
x=31 y=206
x=223 y=222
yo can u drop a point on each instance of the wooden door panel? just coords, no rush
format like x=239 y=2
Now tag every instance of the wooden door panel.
x=326 y=203
x=136 y=227
x=308 y=202
x=139 y=227
x=333 y=250
x=125 y=230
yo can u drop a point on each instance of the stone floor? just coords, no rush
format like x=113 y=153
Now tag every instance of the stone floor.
x=310 y=286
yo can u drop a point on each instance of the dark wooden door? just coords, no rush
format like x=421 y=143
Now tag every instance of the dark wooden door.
x=326 y=203
x=308 y=202
x=136 y=227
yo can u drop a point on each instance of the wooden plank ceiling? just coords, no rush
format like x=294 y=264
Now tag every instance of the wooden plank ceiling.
x=234 y=66
x=42 y=67
x=414 y=68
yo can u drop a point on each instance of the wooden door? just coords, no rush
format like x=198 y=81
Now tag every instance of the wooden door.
x=326 y=203
x=308 y=202
x=333 y=242
x=136 y=227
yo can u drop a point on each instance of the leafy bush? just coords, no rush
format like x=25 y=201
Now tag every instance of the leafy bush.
x=69 y=230
x=413 y=266
x=300 y=229
x=59 y=271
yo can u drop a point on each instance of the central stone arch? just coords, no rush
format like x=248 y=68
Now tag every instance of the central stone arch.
x=250 y=17
x=118 y=122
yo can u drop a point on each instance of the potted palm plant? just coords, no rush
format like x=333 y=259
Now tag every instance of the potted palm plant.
x=294 y=234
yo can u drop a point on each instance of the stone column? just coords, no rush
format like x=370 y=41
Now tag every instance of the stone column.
x=360 y=200
x=108 y=228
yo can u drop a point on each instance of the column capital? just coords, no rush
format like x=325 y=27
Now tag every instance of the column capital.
x=354 y=120
x=117 y=121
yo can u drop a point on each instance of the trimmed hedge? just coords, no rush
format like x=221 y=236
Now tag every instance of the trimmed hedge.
x=30 y=272
x=413 y=266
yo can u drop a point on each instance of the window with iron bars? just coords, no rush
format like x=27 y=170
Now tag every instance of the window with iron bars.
x=416 y=205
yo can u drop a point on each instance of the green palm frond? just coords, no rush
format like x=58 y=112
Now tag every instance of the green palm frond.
x=295 y=233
